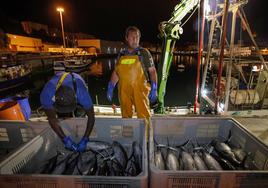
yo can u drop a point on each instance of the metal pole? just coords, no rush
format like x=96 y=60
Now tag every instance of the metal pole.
x=245 y=23
x=229 y=66
x=225 y=15
x=200 y=51
x=62 y=30
x=212 y=29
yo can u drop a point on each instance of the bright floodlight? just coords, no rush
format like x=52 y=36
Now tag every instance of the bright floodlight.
x=221 y=106
x=207 y=7
x=204 y=92
x=255 y=68
x=60 y=9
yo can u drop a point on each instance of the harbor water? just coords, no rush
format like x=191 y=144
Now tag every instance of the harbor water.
x=180 y=86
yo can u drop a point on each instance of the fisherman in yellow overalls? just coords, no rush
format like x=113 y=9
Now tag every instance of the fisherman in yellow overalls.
x=134 y=69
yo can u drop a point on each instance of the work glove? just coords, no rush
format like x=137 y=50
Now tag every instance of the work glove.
x=110 y=91
x=82 y=145
x=153 y=92
x=69 y=143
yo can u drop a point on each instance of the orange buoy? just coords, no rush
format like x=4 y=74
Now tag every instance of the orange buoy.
x=10 y=110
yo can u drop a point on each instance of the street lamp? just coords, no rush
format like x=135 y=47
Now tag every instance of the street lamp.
x=61 y=10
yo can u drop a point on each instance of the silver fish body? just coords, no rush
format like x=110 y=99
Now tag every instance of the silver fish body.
x=98 y=145
x=187 y=161
x=226 y=152
x=137 y=154
x=199 y=163
x=172 y=162
x=159 y=161
x=210 y=162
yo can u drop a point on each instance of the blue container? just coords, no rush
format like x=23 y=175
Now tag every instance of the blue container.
x=24 y=105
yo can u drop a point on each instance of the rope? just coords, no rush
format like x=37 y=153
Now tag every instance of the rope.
x=190 y=16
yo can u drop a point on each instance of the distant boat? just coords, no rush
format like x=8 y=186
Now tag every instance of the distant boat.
x=181 y=67
x=71 y=65
x=12 y=76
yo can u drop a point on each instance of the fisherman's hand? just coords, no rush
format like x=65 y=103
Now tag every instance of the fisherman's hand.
x=82 y=145
x=153 y=92
x=110 y=91
x=69 y=143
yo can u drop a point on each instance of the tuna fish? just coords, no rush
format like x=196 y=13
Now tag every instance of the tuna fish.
x=86 y=165
x=210 y=162
x=199 y=163
x=187 y=161
x=61 y=165
x=225 y=164
x=71 y=164
x=120 y=154
x=137 y=154
x=158 y=160
x=100 y=158
x=131 y=168
x=98 y=145
x=225 y=151
x=172 y=162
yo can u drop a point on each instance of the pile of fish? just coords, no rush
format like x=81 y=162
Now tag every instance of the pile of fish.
x=100 y=159
x=215 y=155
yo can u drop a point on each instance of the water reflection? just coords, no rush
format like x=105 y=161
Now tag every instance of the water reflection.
x=96 y=69
x=180 y=86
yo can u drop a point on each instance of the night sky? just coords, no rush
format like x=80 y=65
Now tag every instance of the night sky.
x=108 y=19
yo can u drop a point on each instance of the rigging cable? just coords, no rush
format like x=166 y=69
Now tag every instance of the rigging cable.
x=190 y=16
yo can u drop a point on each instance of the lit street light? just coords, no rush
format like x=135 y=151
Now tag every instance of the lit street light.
x=61 y=10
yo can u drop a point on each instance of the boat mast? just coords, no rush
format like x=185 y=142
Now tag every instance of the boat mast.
x=223 y=36
x=230 y=63
x=200 y=52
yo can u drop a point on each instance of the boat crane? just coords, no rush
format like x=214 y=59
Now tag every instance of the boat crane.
x=231 y=97
x=170 y=31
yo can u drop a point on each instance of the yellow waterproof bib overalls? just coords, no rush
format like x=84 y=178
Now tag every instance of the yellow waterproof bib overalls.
x=133 y=88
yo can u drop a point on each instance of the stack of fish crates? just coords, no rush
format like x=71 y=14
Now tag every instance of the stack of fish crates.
x=19 y=168
x=14 y=134
x=174 y=131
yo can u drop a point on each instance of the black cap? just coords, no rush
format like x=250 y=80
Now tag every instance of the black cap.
x=65 y=99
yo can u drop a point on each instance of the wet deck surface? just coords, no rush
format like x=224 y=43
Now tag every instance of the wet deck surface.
x=257 y=126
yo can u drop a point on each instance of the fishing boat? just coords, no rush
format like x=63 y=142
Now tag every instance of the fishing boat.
x=181 y=67
x=12 y=76
x=235 y=76
x=71 y=65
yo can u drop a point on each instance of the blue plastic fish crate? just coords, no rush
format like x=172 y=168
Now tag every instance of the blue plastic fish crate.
x=14 y=134
x=204 y=129
x=17 y=170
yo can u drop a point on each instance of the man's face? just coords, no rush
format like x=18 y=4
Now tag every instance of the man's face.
x=133 y=39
